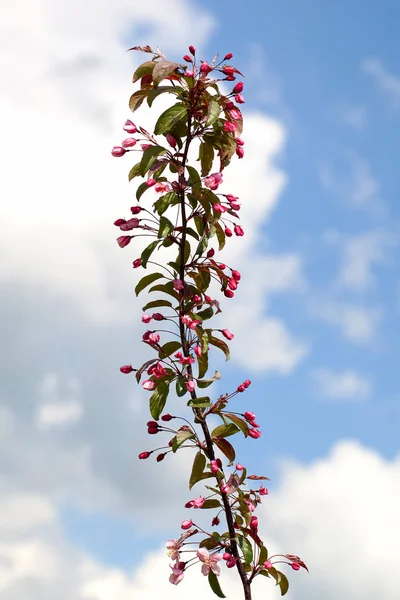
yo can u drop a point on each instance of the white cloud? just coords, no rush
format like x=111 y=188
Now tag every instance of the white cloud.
x=384 y=79
x=357 y=323
x=344 y=385
x=51 y=414
x=355 y=116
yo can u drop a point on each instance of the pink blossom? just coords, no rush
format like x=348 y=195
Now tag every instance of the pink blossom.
x=192 y=50
x=150 y=182
x=239 y=467
x=239 y=152
x=235 y=114
x=239 y=99
x=263 y=491
x=214 y=466
x=295 y=566
x=126 y=369
x=228 y=232
x=129 y=224
x=213 y=181
x=154 y=338
x=238 y=87
x=137 y=263
x=227 y=334
x=190 y=385
x=144 y=455
x=251 y=506
x=162 y=186
x=173 y=549
x=268 y=564
x=226 y=488
x=187 y=360
x=129 y=143
x=186 y=524
x=229 y=126
x=129 y=127
x=135 y=210
x=228 y=56
x=219 y=208
x=177 y=573
x=171 y=140
x=197 y=502
x=157 y=370
x=254 y=524
x=238 y=230
x=178 y=284
x=209 y=560
x=254 y=433
x=197 y=350
x=124 y=240
x=118 y=151
x=148 y=385
x=189 y=73
x=205 y=68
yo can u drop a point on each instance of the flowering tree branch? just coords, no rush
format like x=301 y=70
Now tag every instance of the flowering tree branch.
x=204 y=117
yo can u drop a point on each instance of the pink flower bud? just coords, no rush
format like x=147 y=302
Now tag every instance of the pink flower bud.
x=235 y=114
x=229 y=126
x=228 y=56
x=254 y=433
x=118 y=151
x=229 y=106
x=129 y=127
x=213 y=181
x=192 y=50
x=239 y=467
x=162 y=187
x=227 y=334
x=197 y=502
x=148 y=385
x=166 y=417
x=135 y=210
x=146 y=318
x=171 y=140
x=205 y=68
x=210 y=254
x=145 y=146
x=228 y=232
x=215 y=522
x=239 y=99
x=119 y=222
x=161 y=457
x=295 y=566
x=129 y=143
x=187 y=58
x=231 y=562
x=158 y=317
x=222 y=266
x=144 y=455
x=230 y=78
x=178 y=284
x=129 y=224
x=196 y=298
x=232 y=283
x=226 y=488
x=124 y=240
x=239 y=142
x=214 y=466
x=241 y=388
x=137 y=263
x=189 y=73
x=219 y=208
x=152 y=424
x=268 y=564
x=150 y=182
x=239 y=152
x=153 y=430
x=154 y=338
x=249 y=416
x=190 y=385
x=247 y=383
x=226 y=556
x=197 y=350
x=236 y=275
x=238 y=87
x=228 y=70
x=263 y=491
x=254 y=524
x=186 y=524
x=228 y=293
x=238 y=230
x=126 y=369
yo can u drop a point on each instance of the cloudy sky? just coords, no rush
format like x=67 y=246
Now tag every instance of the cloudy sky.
x=315 y=320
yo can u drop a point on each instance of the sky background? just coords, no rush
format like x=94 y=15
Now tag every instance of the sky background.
x=316 y=318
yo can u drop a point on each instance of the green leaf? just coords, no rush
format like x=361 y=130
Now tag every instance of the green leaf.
x=226 y=448
x=180 y=386
x=199 y=464
x=194 y=180
x=144 y=366
x=203 y=383
x=239 y=422
x=192 y=232
x=211 y=503
x=244 y=511
x=169 y=348
x=158 y=400
x=147 y=280
x=169 y=118
x=202 y=402
x=137 y=98
x=165 y=227
x=144 y=69
x=283 y=584
x=166 y=288
x=163 y=69
x=157 y=304
x=162 y=89
x=263 y=555
x=214 y=110
x=223 y=431
x=180 y=438
x=206 y=157
x=214 y=585
x=246 y=548
x=202 y=362
x=141 y=190
x=134 y=172
x=165 y=201
x=210 y=543
x=207 y=313
x=220 y=235
x=220 y=344
x=148 y=158
x=147 y=252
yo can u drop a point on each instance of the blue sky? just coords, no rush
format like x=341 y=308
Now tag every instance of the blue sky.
x=322 y=89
